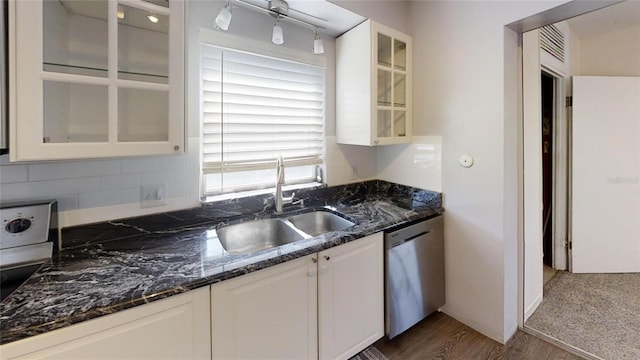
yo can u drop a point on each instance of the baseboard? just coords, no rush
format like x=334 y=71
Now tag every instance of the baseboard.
x=509 y=334
x=561 y=344
x=532 y=308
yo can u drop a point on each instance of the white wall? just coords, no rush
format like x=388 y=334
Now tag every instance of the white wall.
x=392 y=13
x=418 y=164
x=462 y=54
x=611 y=54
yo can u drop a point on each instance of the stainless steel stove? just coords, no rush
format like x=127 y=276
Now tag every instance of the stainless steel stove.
x=28 y=238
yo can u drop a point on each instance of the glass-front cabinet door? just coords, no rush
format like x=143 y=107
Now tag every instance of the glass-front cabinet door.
x=392 y=117
x=373 y=86
x=97 y=78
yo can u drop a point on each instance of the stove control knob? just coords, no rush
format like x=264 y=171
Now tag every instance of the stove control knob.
x=19 y=225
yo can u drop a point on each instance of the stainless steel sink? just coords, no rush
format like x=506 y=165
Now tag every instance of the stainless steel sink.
x=252 y=236
x=319 y=222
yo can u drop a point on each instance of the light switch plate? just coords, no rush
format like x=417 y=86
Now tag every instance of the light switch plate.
x=152 y=195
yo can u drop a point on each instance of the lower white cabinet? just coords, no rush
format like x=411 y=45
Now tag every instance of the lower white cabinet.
x=351 y=297
x=327 y=305
x=268 y=314
x=174 y=328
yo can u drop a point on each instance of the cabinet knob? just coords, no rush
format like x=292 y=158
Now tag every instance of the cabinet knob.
x=314 y=260
x=327 y=258
x=176 y=148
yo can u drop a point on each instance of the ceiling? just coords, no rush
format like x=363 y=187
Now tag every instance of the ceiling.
x=612 y=18
x=331 y=18
x=335 y=20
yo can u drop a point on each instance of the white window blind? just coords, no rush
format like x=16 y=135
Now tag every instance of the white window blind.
x=255 y=108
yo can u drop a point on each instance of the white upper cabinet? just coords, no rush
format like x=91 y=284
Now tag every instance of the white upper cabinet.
x=92 y=79
x=373 y=86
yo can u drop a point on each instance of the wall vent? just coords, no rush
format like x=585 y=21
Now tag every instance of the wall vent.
x=553 y=42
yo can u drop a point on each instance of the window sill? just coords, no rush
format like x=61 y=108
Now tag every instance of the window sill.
x=249 y=193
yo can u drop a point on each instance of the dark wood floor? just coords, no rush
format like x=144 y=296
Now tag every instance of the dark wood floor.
x=441 y=337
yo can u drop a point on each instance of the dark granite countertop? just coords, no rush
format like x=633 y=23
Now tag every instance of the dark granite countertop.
x=107 y=267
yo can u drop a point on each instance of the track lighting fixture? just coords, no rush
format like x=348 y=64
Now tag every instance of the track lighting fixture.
x=224 y=17
x=318 y=46
x=276 y=8
x=278 y=36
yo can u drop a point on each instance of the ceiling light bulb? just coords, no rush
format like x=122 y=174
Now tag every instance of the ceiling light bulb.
x=318 y=45
x=154 y=19
x=277 y=36
x=224 y=18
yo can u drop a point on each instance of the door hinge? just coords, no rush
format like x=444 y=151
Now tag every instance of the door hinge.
x=569 y=101
x=568 y=245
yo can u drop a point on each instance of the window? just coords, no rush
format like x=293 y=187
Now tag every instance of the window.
x=253 y=109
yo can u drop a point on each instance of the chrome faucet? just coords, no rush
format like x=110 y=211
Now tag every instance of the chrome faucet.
x=279 y=199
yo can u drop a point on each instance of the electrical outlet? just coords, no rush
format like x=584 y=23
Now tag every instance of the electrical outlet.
x=152 y=195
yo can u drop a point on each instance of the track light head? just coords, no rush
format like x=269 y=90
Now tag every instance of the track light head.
x=277 y=37
x=224 y=17
x=318 y=45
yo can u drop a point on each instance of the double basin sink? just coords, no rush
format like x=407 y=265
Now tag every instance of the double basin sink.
x=252 y=236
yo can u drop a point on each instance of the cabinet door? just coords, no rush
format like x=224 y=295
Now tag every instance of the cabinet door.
x=98 y=78
x=173 y=328
x=351 y=297
x=393 y=85
x=269 y=314
x=373 y=86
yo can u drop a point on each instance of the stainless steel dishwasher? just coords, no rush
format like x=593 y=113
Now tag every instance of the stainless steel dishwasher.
x=414 y=274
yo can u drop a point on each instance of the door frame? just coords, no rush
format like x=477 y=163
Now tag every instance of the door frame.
x=514 y=39
x=560 y=203
x=533 y=65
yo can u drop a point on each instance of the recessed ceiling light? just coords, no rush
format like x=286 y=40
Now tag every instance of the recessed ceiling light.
x=154 y=19
x=120 y=13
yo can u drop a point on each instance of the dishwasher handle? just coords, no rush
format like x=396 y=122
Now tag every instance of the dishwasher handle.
x=411 y=232
x=399 y=242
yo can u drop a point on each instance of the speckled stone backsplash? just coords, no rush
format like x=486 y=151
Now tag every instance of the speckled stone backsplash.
x=260 y=206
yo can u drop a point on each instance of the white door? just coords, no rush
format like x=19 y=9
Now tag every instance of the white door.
x=605 y=211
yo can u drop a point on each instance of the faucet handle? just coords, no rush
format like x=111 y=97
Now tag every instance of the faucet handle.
x=289 y=199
